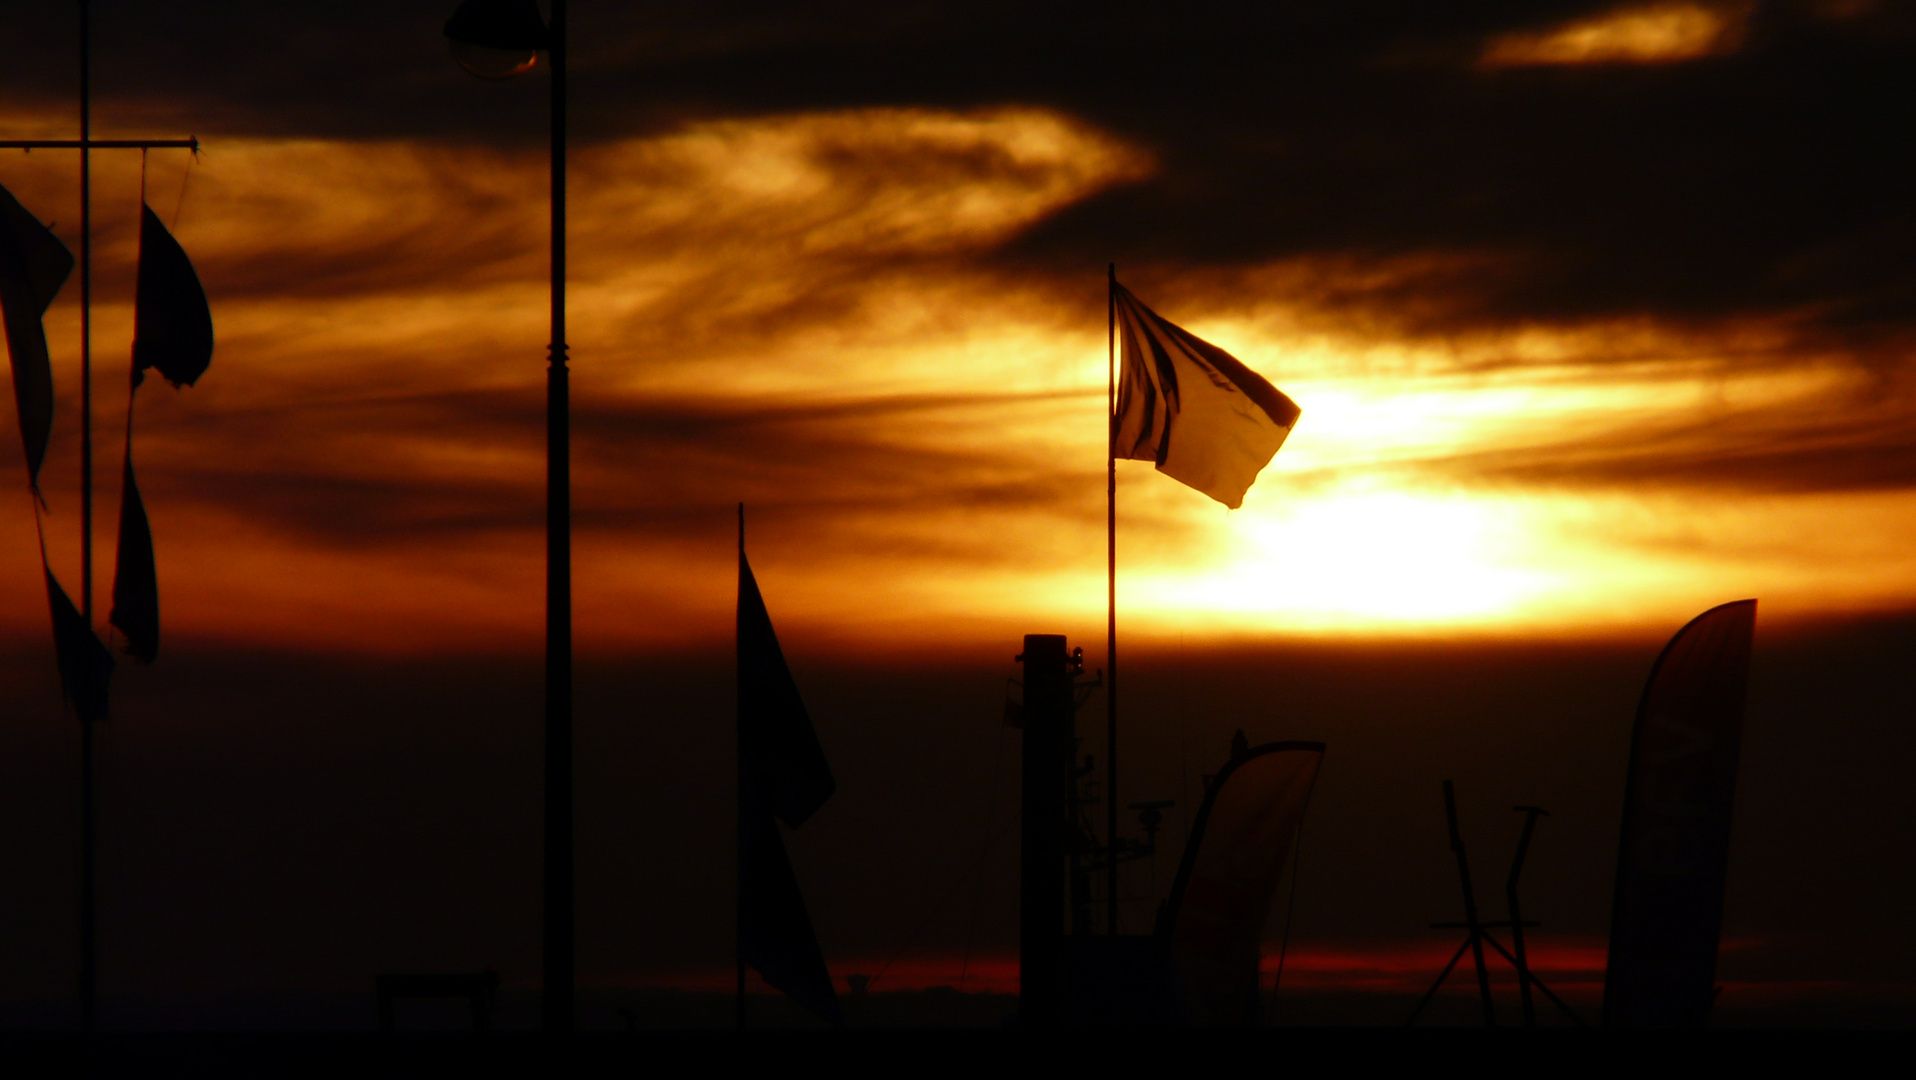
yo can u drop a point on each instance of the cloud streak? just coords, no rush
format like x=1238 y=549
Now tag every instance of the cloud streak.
x=830 y=269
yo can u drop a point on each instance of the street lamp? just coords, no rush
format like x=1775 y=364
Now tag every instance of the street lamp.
x=499 y=39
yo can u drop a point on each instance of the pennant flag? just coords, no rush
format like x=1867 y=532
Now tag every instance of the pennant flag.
x=33 y=266
x=1674 y=852
x=85 y=664
x=775 y=930
x=173 y=333
x=776 y=745
x=783 y=775
x=1240 y=843
x=172 y=325
x=136 y=586
x=1205 y=419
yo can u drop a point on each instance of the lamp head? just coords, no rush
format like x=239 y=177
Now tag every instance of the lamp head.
x=497 y=39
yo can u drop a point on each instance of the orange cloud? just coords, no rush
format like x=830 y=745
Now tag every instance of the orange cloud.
x=1659 y=33
x=804 y=313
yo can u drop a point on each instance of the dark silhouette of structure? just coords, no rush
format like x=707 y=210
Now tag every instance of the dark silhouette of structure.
x=1199 y=965
x=75 y=638
x=1477 y=931
x=1050 y=745
x=1673 y=850
x=484 y=31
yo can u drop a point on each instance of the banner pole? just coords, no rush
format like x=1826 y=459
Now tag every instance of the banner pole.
x=738 y=869
x=88 y=824
x=1111 y=600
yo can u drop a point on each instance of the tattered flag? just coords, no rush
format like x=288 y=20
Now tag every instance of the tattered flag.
x=136 y=589
x=85 y=664
x=172 y=324
x=33 y=266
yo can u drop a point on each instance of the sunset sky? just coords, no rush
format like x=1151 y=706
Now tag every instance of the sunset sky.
x=1598 y=316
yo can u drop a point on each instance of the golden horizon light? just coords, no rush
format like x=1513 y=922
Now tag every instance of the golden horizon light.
x=798 y=312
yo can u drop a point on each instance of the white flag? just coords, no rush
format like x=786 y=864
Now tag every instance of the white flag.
x=1205 y=419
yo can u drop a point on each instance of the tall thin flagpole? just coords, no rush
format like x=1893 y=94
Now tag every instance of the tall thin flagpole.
x=87 y=823
x=1111 y=599
x=559 y=974
x=738 y=869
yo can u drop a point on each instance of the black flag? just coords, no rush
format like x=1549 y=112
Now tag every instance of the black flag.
x=173 y=332
x=776 y=745
x=33 y=266
x=1674 y=852
x=782 y=774
x=172 y=325
x=136 y=586
x=85 y=664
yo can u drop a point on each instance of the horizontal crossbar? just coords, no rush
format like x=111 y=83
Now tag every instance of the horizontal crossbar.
x=102 y=144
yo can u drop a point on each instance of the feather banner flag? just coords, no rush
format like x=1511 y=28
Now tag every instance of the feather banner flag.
x=1191 y=408
x=783 y=775
x=1673 y=854
x=1241 y=841
x=172 y=334
x=33 y=266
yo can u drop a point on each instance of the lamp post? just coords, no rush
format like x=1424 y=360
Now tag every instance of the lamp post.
x=499 y=39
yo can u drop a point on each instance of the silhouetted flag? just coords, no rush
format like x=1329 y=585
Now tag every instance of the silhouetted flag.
x=85 y=664
x=1204 y=418
x=136 y=586
x=1215 y=915
x=172 y=333
x=777 y=747
x=33 y=266
x=1674 y=851
x=782 y=774
x=172 y=325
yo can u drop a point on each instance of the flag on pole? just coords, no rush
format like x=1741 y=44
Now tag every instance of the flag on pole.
x=136 y=584
x=33 y=266
x=1191 y=408
x=1240 y=843
x=1674 y=852
x=173 y=334
x=86 y=666
x=172 y=324
x=783 y=775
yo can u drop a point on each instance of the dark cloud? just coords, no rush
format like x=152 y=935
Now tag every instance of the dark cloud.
x=362 y=471
x=1766 y=180
x=1850 y=446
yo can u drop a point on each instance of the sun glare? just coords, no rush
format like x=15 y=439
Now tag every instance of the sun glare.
x=777 y=312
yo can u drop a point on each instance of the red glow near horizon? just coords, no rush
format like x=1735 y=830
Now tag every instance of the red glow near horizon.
x=1573 y=969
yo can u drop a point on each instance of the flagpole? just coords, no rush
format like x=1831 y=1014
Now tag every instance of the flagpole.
x=559 y=974
x=738 y=866
x=87 y=823
x=1111 y=599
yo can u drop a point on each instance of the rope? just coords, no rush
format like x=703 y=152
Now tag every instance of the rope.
x=191 y=161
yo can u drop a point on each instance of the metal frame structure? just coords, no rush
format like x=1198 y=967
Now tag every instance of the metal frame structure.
x=86 y=144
